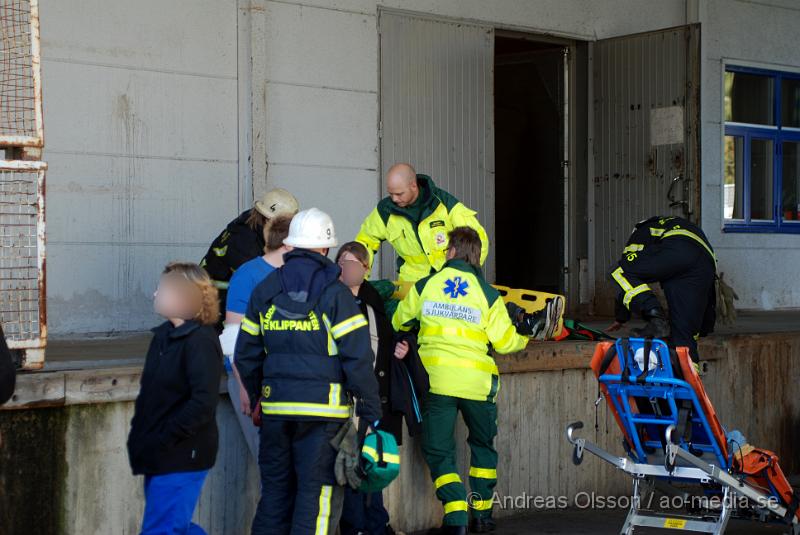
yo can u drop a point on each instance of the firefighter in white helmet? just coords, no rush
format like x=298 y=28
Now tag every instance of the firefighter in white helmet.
x=304 y=354
x=243 y=238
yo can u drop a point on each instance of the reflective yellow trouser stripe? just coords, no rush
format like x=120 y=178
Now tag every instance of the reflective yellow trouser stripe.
x=630 y=291
x=446 y=479
x=324 y=515
x=451 y=507
x=483 y=473
x=481 y=505
x=472 y=334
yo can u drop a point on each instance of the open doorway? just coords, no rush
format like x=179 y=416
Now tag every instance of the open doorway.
x=529 y=98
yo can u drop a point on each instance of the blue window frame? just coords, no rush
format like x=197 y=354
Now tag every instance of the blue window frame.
x=761 y=178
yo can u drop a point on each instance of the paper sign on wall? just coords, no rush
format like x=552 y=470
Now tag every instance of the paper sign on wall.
x=666 y=125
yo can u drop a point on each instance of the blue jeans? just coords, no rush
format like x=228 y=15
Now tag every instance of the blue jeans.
x=170 y=500
x=363 y=513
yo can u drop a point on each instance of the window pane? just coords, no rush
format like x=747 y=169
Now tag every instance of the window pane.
x=790 y=103
x=761 y=179
x=734 y=179
x=749 y=98
x=791 y=180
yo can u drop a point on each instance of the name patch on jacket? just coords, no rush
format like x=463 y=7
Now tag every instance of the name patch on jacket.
x=451 y=311
x=438 y=223
x=291 y=325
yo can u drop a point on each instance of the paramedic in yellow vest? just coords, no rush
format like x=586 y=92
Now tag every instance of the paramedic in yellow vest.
x=459 y=315
x=415 y=218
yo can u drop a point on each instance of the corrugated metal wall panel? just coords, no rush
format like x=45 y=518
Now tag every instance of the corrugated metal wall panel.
x=437 y=109
x=633 y=76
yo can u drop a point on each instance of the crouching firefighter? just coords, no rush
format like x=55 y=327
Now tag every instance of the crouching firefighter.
x=675 y=253
x=459 y=316
x=304 y=352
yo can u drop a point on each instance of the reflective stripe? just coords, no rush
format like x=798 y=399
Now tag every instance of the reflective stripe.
x=333 y=349
x=618 y=276
x=291 y=408
x=220 y=285
x=656 y=231
x=446 y=479
x=472 y=334
x=388 y=457
x=349 y=325
x=250 y=327
x=510 y=332
x=451 y=507
x=633 y=248
x=324 y=515
x=692 y=235
x=481 y=505
x=458 y=362
x=483 y=473
x=334 y=394
x=630 y=294
x=630 y=291
x=220 y=251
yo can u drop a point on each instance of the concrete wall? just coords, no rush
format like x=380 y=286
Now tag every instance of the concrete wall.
x=155 y=125
x=64 y=470
x=141 y=115
x=760 y=266
x=158 y=128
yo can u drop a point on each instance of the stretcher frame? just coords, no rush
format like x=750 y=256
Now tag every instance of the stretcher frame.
x=678 y=464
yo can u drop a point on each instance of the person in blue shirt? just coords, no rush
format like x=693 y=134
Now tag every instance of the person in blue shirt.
x=244 y=281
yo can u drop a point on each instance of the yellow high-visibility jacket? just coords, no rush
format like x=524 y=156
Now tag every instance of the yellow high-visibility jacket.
x=459 y=315
x=419 y=233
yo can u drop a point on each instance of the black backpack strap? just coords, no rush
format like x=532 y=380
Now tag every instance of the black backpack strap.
x=648 y=346
x=607 y=359
x=791 y=507
x=379 y=448
x=626 y=354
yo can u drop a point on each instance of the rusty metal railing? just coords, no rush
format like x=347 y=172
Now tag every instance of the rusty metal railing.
x=21 y=123
x=23 y=311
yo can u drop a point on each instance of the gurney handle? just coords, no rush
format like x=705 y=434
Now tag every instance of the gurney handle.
x=571 y=428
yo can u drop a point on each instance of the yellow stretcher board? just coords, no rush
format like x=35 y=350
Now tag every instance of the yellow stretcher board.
x=529 y=300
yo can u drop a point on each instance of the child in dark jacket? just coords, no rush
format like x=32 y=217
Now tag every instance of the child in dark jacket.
x=173 y=438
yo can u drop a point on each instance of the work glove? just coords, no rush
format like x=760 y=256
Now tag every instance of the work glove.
x=347 y=467
x=726 y=309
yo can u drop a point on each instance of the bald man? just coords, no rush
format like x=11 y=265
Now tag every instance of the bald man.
x=416 y=218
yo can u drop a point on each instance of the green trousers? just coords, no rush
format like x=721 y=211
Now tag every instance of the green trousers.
x=439 y=448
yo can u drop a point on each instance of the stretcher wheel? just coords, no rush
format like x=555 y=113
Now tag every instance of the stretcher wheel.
x=577 y=457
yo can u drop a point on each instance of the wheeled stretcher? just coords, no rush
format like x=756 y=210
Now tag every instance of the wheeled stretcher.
x=676 y=447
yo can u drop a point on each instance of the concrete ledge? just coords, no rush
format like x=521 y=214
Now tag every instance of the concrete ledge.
x=112 y=384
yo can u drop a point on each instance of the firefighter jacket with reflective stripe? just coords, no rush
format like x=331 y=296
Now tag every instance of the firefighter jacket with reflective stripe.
x=304 y=346
x=656 y=229
x=419 y=233
x=460 y=319
x=234 y=246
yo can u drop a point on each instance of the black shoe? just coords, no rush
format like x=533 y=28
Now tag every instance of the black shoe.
x=482 y=525
x=656 y=327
